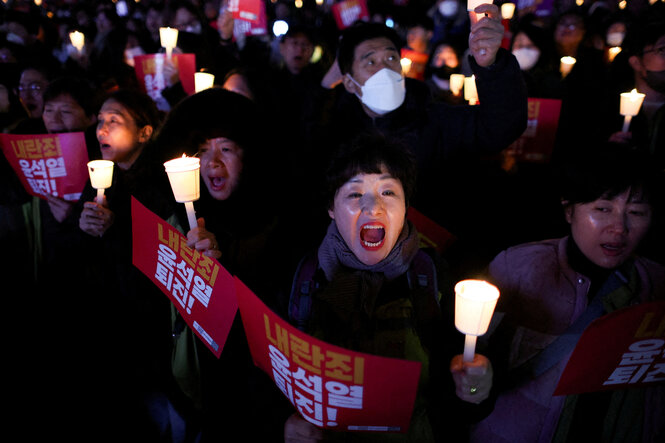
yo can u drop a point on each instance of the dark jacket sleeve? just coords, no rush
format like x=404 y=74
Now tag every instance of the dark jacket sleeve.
x=488 y=127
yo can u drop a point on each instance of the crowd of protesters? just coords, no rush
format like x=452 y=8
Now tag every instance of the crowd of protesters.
x=314 y=142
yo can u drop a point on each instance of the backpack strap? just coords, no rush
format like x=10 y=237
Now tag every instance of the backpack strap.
x=304 y=285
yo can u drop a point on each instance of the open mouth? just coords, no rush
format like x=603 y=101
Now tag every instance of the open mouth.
x=372 y=235
x=612 y=249
x=217 y=183
x=104 y=146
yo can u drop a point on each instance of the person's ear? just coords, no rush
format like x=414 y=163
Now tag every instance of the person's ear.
x=567 y=210
x=635 y=63
x=331 y=214
x=350 y=86
x=145 y=133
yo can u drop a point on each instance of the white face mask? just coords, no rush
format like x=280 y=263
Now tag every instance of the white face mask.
x=615 y=38
x=448 y=8
x=526 y=57
x=383 y=92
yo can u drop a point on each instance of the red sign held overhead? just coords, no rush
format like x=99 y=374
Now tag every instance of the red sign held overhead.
x=149 y=70
x=349 y=11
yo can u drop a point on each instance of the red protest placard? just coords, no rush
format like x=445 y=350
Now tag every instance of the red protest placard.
x=537 y=142
x=48 y=164
x=431 y=234
x=244 y=27
x=149 y=70
x=198 y=286
x=347 y=12
x=249 y=10
x=330 y=386
x=624 y=349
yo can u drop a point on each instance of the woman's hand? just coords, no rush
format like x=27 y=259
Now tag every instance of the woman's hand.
x=203 y=240
x=59 y=207
x=299 y=430
x=473 y=380
x=95 y=218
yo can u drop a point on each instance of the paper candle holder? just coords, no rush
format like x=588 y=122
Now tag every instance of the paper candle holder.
x=630 y=105
x=475 y=301
x=203 y=80
x=184 y=176
x=456 y=83
x=470 y=91
x=473 y=4
x=77 y=39
x=168 y=38
x=507 y=10
x=566 y=65
x=101 y=176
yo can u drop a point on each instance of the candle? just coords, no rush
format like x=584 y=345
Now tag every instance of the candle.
x=473 y=4
x=470 y=92
x=169 y=39
x=613 y=51
x=456 y=83
x=101 y=176
x=185 y=182
x=203 y=80
x=406 y=65
x=78 y=40
x=507 y=10
x=475 y=301
x=567 y=63
x=630 y=106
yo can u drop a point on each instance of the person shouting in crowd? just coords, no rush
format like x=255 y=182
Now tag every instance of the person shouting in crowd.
x=367 y=298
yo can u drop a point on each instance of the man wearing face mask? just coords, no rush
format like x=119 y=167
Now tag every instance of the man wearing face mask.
x=645 y=49
x=377 y=97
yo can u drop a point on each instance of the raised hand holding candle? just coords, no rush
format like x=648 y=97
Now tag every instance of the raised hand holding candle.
x=168 y=38
x=475 y=301
x=185 y=182
x=630 y=106
x=78 y=40
x=470 y=91
x=456 y=83
x=203 y=80
x=101 y=176
x=567 y=63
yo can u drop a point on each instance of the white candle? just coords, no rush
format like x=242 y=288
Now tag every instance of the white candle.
x=475 y=301
x=456 y=83
x=185 y=182
x=101 y=176
x=168 y=38
x=507 y=10
x=78 y=40
x=203 y=80
x=613 y=51
x=630 y=106
x=567 y=63
x=406 y=65
x=470 y=91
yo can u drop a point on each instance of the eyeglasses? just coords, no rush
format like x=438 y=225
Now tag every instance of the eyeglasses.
x=659 y=51
x=32 y=89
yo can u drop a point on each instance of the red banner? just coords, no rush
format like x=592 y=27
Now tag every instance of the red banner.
x=48 y=164
x=431 y=234
x=149 y=70
x=330 y=386
x=198 y=286
x=624 y=349
x=347 y=12
x=537 y=142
